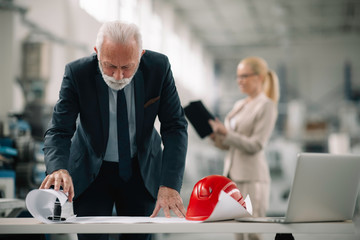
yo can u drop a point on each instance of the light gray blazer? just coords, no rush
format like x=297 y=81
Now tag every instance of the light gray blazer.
x=249 y=128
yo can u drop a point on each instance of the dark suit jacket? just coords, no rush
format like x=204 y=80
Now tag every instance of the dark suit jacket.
x=77 y=136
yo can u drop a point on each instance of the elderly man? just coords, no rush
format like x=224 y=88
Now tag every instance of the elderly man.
x=101 y=146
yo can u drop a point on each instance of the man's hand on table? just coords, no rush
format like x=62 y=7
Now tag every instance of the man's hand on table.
x=169 y=199
x=59 y=178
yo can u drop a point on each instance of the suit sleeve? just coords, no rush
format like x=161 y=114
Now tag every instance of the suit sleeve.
x=62 y=126
x=218 y=142
x=173 y=130
x=263 y=127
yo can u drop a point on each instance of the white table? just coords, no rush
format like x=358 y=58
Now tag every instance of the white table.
x=32 y=226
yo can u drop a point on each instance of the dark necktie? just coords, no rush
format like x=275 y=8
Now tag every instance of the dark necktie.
x=125 y=170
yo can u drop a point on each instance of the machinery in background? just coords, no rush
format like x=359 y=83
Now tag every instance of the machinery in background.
x=26 y=129
x=30 y=166
x=23 y=157
x=33 y=81
x=7 y=173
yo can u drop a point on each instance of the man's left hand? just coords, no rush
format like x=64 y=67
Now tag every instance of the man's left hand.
x=169 y=199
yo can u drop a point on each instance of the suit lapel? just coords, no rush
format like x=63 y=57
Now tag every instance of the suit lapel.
x=236 y=109
x=139 y=103
x=103 y=100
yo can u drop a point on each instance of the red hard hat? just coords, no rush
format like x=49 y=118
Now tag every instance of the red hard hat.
x=206 y=193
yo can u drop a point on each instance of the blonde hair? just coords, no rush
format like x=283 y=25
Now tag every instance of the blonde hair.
x=271 y=80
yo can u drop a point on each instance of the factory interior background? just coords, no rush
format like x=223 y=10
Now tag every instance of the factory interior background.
x=312 y=45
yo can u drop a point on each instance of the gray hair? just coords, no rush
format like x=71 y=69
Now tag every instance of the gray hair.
x=119 y=32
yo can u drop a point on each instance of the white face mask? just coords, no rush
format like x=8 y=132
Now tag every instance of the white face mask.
x=113 y=83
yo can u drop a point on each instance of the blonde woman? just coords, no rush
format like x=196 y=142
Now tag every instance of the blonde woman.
x=246 y=131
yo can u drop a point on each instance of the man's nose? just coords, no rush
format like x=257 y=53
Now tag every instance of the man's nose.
x=118 y=74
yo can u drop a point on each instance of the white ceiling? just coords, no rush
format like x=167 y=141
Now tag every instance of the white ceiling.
x=225 y=26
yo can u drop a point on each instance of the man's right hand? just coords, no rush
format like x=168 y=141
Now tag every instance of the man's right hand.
x=59 y=178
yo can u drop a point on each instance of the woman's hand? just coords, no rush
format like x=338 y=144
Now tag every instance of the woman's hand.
x=217 y=127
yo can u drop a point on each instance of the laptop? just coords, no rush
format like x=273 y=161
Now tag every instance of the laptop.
x=324 y=188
